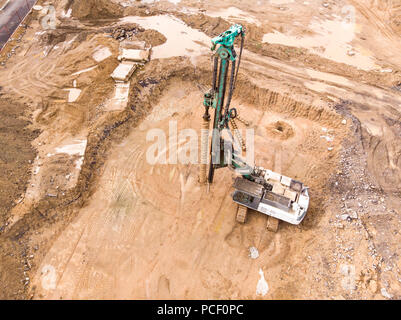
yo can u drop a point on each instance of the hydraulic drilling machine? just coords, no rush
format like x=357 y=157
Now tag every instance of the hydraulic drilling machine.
x=277 y=196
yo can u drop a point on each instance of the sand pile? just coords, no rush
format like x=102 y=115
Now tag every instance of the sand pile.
x=96 y=9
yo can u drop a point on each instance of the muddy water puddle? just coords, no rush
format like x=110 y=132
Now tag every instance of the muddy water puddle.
x=181 y=39
x=332 y=40
x=234 y=15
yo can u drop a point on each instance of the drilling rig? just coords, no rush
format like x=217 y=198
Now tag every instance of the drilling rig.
x=256 y=188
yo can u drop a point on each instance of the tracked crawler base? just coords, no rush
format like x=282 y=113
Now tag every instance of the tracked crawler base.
x=272 y=194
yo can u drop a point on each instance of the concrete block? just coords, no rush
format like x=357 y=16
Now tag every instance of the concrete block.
x=134 y=55
x=120 y=98
x=123 y=71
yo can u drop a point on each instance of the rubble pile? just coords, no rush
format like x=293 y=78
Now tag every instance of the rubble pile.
x=123 y=33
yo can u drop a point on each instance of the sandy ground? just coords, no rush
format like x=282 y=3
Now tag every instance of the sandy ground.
x=144 y=199
x=98 y=221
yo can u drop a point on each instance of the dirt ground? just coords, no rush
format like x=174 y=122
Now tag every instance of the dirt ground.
x=84 y=215
x=15 y=161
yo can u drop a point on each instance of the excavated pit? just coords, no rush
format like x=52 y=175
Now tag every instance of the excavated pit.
x=142 y=215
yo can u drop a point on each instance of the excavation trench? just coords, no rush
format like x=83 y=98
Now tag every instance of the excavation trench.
x=134 y=229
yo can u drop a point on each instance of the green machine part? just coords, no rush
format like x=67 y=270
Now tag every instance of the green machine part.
x=227 y=38
x=216 y=96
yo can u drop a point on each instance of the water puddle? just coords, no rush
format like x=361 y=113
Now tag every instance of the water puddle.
x=331 y=40
x=182 y=40
x=235 y=15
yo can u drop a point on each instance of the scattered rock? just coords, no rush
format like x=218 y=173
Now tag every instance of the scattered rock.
x=51 y=195
x=125 y=33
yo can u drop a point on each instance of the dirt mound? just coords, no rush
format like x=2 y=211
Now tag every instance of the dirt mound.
x=135 y=32
x=96 y=9
x=125 y=32
x=209 y=25
x=52 y=37
x=151 y=37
